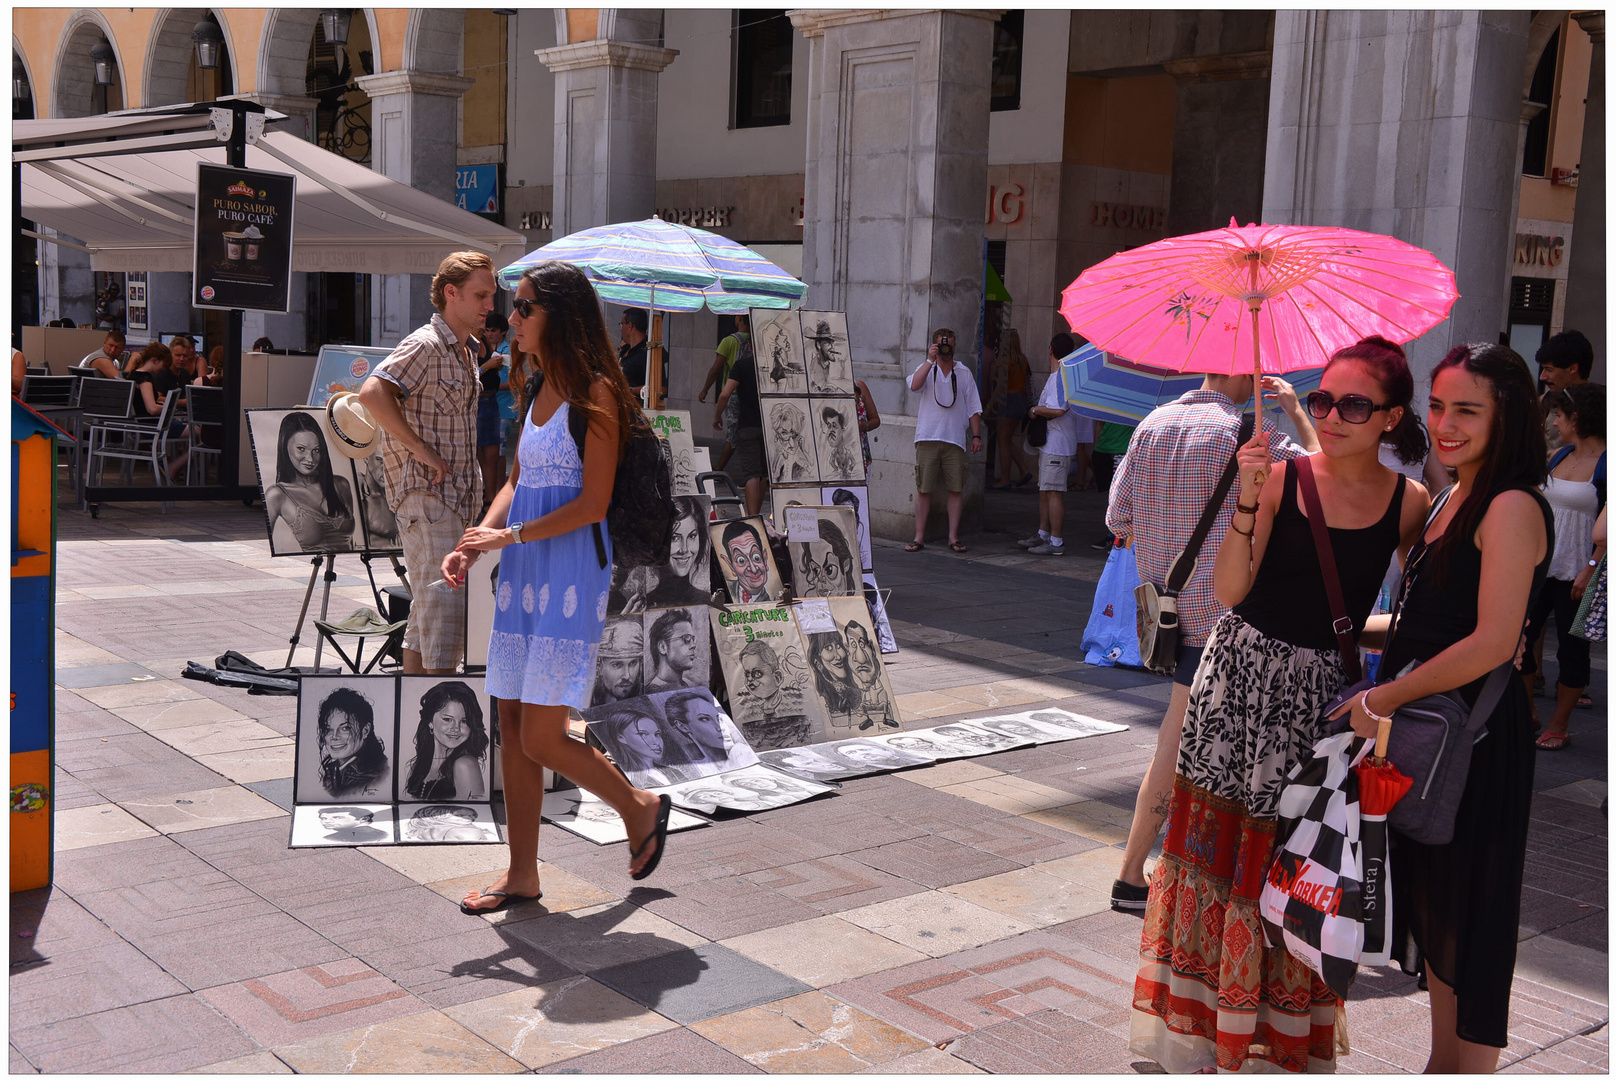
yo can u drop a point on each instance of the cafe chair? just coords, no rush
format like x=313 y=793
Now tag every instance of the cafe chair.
x=204 y=408
x=133 y=439
x=49 y=391
x=101 y=401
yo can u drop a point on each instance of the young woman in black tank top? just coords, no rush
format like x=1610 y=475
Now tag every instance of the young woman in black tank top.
x=1457 y=906
x=1256 y=708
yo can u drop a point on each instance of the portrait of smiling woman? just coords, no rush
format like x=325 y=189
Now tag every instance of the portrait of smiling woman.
x=451 y=746
x=309 y=507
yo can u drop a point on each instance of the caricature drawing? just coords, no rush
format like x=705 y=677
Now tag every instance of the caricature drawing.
x=791 y=459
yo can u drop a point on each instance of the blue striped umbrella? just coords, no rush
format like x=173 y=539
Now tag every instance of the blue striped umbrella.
x=1106 y=387
x=668 y=267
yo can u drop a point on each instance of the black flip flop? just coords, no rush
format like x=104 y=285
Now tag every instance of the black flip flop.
x=660 y=835
x=506 y=900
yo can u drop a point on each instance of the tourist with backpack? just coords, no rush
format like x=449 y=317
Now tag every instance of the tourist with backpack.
x=566 y=509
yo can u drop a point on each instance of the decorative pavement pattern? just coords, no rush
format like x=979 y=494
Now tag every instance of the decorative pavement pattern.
x=947 y=919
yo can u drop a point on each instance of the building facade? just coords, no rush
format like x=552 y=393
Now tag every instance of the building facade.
x=891 y=157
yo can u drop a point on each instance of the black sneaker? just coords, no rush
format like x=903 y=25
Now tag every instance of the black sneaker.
x=1125 y=897
x=1102 y=544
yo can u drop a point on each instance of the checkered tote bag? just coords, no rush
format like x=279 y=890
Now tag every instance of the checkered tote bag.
x=1311 y=900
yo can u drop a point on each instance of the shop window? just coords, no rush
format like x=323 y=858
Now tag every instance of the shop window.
x=1535 y=162
x=1531 y=309
x=1007 y=38
x=760 y=57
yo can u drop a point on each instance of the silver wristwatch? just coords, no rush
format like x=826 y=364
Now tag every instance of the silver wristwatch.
x=516 y=531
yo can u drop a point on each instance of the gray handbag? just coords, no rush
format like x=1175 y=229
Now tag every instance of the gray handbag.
x=1431 y=738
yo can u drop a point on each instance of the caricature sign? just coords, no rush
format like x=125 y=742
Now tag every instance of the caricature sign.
x=242 y=258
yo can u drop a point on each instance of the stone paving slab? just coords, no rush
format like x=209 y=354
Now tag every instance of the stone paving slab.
x=809 y=1033
x=691 y=985
x=822 y=951
x=423 y=1043
x=680 y=1051
x=559 y=1020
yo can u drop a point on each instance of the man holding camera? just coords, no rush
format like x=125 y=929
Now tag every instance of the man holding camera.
x=948 y=405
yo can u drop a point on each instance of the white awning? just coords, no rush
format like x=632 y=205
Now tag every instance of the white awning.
x=125 y=186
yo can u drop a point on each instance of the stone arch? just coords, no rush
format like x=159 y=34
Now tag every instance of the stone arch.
x=20 y=54
x=1544 y=24
x=433 y=40
x=283 y=50
x=169 y=54
x=72 y=71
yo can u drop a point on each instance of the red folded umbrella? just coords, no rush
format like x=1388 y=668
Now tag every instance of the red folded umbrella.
x=1380 y=785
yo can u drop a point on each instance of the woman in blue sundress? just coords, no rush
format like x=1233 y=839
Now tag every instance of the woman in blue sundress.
x=550 y=607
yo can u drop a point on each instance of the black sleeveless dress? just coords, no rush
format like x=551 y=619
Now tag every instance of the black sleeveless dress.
x=1459 y=905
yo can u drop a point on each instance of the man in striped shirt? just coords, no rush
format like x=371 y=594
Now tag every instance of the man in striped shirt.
x=1170 y=473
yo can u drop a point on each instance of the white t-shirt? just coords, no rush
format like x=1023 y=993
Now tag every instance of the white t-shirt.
x=1065 y=432
x=947 y=403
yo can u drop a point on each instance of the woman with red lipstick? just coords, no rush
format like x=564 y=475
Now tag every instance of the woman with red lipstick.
x=1466 y=592
x=1270 y=670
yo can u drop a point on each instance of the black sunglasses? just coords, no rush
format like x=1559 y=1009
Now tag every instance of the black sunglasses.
x=524 y=307
x=1354 y=408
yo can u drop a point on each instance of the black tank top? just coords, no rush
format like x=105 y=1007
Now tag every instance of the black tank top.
x=1288 y=601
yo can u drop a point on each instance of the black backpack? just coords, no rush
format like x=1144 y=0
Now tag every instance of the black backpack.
x=641 y=514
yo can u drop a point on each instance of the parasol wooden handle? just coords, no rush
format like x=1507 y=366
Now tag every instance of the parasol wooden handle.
x=1383 y=734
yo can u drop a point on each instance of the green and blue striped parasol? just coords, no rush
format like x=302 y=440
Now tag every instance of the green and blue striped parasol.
x=1106 y=387
x=668 y=267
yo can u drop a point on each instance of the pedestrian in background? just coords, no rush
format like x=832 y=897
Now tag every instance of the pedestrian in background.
x=1008 y=382
x=493 y=377
x=634 y=354
x=1469 y=584
x=1056 y=456
x=1167 y=478
x=1566 y=359
x=739 y=399
x=948 y=405
x=1575 y=490
x=718 y=376
x=1271 y=668
x=1110 y=443
x=550 y=606
x=424 y=399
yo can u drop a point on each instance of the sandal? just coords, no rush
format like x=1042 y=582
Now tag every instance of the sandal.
x=955 y=545
x=1551 y=741
x=1585 y=702
x=914 y=545
x=506 y=900
x=660 y=835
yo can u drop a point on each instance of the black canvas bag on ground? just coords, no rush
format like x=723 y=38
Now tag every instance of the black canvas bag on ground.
x=1432 y=738
x=1156 y=609
x=641 y=513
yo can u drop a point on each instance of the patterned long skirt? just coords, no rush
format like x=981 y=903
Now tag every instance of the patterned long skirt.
x=1210 y=991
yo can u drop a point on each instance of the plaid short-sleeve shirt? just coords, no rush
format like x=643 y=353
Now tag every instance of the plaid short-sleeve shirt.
x=439 y=401
x=1172 y=467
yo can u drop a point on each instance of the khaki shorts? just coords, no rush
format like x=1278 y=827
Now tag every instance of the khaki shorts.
x=1052 y=472
x=939 y=461
x=428 y=531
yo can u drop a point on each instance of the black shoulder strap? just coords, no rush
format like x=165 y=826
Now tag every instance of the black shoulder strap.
x=1183 y=567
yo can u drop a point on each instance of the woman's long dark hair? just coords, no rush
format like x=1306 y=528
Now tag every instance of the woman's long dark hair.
x=839 y=697
x=1517 y=451
x=1388 y=363
x=293 y=423
x=576 y=349
x=475 y=746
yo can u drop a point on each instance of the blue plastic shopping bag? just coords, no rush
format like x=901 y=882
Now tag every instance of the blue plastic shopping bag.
x=1111 y=637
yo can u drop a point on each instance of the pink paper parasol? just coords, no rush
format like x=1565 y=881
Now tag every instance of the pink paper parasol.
x=1192 y=303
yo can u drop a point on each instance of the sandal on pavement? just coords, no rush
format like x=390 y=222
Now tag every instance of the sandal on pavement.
x=914 y=545
x=1552 y=741
x=506 y=900
x=955 y=545
x=660 y=835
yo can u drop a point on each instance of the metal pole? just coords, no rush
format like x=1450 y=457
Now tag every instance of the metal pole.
x=230 y=459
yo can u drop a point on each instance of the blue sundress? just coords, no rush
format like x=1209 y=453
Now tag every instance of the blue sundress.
x=550 y=607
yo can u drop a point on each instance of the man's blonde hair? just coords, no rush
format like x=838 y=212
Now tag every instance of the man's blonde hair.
x=943 y=331
x=455 y=270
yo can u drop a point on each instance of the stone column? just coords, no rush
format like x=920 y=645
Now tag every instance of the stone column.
x=1585 y=275
x=414 y=120
x=898 y=106
x=1406 y=123
x=1220 y=128
x=605 y=122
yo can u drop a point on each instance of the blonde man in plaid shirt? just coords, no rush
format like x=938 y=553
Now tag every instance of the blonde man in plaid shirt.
x=424 y=399
x=1162 y=486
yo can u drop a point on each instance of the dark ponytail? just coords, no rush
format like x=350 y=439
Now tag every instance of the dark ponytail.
x=1389 y=365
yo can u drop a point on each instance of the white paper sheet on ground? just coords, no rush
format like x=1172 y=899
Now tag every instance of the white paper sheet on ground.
x=342 y=825
x=583 y=814
x=971 y=735
x=923 y=743
x=841 y=760
x=448 y=823
x=754 y=788
x=1047 y=725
